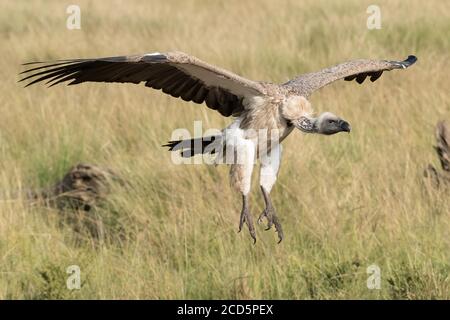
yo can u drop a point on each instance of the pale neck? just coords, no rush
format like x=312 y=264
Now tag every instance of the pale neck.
x=307 y=124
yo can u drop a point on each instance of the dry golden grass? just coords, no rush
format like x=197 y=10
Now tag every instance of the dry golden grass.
x=346 y=201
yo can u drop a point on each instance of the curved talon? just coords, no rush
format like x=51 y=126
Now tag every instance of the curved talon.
x=269 y=214
x=269 y=224
x=262 y=215
x=278 y=228
x=280 y=238
x=272 y=220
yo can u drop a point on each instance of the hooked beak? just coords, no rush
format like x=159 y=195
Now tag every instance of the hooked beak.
x=345 y=126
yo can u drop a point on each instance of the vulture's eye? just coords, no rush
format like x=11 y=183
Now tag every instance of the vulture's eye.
x=330 y=121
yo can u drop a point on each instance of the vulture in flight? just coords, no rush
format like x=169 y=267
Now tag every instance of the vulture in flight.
x=264 y=113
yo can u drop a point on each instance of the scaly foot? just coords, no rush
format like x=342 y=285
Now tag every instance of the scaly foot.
x=270 y=215
x=272 y=220
x=247 y=218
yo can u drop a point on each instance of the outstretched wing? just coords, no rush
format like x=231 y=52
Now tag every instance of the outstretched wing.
x=357 y=70
x=176 y=73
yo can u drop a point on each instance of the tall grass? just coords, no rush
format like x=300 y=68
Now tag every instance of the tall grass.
x=346 y=201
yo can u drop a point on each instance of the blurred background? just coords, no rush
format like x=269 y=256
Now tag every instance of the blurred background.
x=346 y=202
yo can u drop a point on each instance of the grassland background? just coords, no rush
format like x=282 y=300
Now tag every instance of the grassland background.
x=346 y=201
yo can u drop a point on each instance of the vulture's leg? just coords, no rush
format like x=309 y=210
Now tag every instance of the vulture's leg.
x=270 y=163
x=270 y=214
x=246 y=217
x=240 y=175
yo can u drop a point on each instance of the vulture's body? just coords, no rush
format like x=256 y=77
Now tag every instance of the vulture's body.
x=264 y=113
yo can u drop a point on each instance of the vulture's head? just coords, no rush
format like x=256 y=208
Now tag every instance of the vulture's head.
x=297 y=110
x=328 y=123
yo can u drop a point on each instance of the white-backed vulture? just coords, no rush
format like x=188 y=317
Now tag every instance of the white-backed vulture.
x=273 y=109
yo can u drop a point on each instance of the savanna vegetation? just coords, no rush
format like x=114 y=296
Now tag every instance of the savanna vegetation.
x=346 y=201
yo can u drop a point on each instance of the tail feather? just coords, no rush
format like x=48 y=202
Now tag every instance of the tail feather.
x=191 y=147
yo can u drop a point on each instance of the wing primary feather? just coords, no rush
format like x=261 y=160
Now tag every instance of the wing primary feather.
x=142 y=75
x=68 y=77
x=176 y=73
x=168 y=78
x=99 y=71
x=57 y=78
x=48 y=66
x=155 y=79
x=50 y=71
x=47 y=76
x=122 y=73
x=83 y=70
